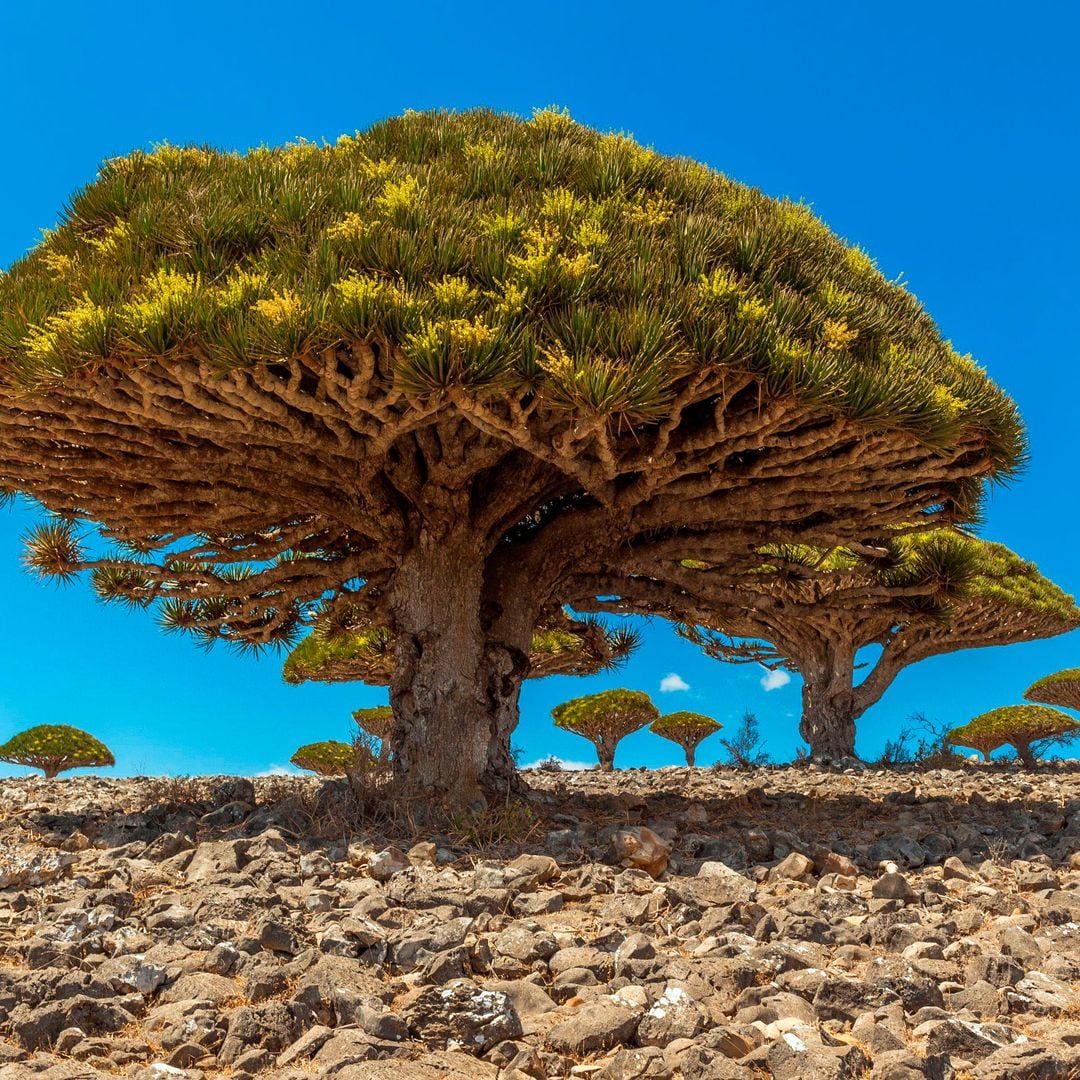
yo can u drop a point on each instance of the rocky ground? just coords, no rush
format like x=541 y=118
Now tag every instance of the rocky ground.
x=679 y=923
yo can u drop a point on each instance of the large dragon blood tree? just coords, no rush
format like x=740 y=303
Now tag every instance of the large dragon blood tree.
x=437 y=368
x=812 y=609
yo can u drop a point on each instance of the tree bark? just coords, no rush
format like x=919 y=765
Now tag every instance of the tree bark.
x=690 y=755
x=828 y=720
x=1024 y=753
x=50 y=771
x=505 y=668
x=605 y=752
x=456 y=684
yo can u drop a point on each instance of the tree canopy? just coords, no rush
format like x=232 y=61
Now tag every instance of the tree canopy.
x=1061 y=688
x=1019 y=726
x=437 y=369
x=55 y=748
x=688 y=729
x=328 y=758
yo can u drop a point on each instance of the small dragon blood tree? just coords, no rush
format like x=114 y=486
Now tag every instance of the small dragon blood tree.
x=688 y=729
x=378 y=722
x=812 y=610
x=1061 y=689
x=329 y=758
x=606 y=718
x=55 y=748
x=439 y=368
x=1029 y=729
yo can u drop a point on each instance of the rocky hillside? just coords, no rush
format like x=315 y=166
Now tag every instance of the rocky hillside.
x=788 y=922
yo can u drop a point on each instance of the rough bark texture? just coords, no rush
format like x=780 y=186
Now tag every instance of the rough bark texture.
x=690 y=755
x=456 y=683
x=1025 y=754
x=605 y=752
x=829 y=701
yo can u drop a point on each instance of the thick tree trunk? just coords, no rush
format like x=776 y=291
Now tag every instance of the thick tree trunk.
x=606 y=754
x=455 y=687
x=50 y=771
x=828 y=720
x=1025 y=754
x=690 y=754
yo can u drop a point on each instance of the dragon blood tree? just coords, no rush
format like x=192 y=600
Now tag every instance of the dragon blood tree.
x=1062 y=689
x=55 y=748
x=329 y=758
x=605 y=719
x=1029 y=729
x=811 y=610
x=377 y=722
x=688 y=729
x=434 y=370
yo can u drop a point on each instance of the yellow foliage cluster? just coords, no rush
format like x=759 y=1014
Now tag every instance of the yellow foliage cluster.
x=280 y=309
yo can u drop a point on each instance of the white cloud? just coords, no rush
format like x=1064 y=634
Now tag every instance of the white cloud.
x=670 y=683
x=279 y=770
x=773 y=680
x=567 y=766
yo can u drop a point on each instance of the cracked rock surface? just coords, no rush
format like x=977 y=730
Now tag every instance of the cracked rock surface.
x=695 y=924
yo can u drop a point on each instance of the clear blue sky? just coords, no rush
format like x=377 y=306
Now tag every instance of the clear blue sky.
x=940 y=137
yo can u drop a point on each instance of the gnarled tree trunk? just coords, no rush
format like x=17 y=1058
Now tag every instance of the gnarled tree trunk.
x=829 y=712
x=456 y=682
x=605 y=752
x=1026 y=755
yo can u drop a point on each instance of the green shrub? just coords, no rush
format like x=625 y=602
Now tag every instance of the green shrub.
x=55 y=748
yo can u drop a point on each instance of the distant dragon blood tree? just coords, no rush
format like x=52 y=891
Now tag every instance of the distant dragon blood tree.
x=688 y=729
x=434 y=371
x=329 y=758
x=1061 y=689
x=55 y=748
x=812 y=609
x=378 y=722
x=605 y=719
x=1021 y=726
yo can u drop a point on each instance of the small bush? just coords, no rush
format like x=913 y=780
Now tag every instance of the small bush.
x=549 y=765
x=745 y=748
x=924 y=743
